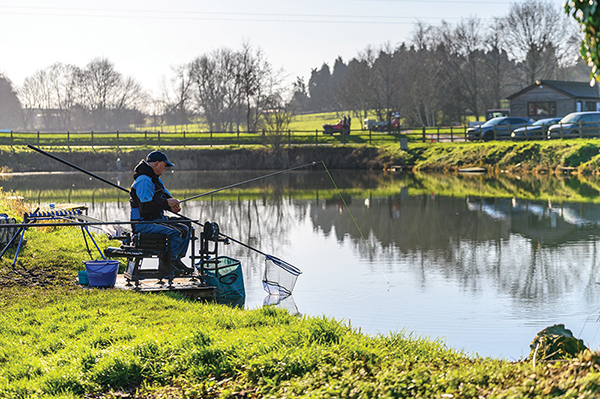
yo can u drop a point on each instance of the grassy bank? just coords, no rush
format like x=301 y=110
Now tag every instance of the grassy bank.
x=68 y=343
x=518 y=157
x=60 y=341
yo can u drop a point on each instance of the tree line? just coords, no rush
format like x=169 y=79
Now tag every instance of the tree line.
x=228 y=90
x=443 y=74
x=447 y=72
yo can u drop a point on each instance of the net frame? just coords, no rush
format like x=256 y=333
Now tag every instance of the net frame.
x=279 y=277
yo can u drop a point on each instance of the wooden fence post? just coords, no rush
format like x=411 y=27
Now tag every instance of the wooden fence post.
x=38 y=138
x=370 y=136
x=92 y=137
x=424 y=139
x=316 y=136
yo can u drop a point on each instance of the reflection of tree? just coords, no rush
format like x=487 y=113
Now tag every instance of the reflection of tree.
x=530 y=251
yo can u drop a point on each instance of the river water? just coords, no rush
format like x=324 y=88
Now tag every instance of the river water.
x=481 y=263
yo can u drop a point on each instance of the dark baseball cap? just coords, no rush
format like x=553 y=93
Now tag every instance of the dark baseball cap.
x=155 y=156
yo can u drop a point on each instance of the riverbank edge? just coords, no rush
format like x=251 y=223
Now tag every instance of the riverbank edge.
x=573 y=156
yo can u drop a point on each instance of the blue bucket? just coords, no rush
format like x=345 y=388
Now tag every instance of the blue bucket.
x=102 y=273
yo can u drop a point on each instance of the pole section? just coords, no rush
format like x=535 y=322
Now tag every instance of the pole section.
x=77 y=167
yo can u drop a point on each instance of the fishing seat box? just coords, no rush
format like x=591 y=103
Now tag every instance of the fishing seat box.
x=138 y=246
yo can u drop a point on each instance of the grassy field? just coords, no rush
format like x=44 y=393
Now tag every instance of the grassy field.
x=303 y=130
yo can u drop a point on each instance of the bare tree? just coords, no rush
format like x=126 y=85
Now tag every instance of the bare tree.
x=63 y=93
x=276 y=122
x=250 y=76
x=30 y=94
x=230 y=86
x=462 y=47
x=110 y=99
x=539 y=37
x=208 y=77
x=177 y=96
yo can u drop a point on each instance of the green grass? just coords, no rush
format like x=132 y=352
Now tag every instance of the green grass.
x=64 y=343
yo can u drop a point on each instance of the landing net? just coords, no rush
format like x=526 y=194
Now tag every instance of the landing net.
x=280 y=277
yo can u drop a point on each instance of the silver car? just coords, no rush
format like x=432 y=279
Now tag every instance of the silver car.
x=536 y=131
x=586 y=123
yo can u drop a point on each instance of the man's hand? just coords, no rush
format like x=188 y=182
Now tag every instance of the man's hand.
x=174 y=205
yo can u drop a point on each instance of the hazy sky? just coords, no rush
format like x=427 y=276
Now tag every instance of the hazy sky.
x=145 y=39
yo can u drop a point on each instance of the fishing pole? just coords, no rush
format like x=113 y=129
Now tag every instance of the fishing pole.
x=248 y=181
x=77 y=167
x=283 y=264
x=99 y=223
x=94 y=176
x=126 y=190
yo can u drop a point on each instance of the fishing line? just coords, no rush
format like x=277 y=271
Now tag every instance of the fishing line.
x=588 y=319
x=355 y=223
x=247 y=181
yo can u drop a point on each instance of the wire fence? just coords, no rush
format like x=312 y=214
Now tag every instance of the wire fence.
x=386 y=135
x=199 y=138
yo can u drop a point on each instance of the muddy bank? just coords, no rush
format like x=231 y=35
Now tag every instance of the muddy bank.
x=26 y=160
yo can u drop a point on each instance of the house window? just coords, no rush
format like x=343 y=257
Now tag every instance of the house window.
x=590 y=106
x=542 y=108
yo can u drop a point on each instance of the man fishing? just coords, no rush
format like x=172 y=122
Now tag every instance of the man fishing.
x=149 y=199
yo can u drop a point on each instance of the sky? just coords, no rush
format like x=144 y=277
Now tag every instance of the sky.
x=146 y=39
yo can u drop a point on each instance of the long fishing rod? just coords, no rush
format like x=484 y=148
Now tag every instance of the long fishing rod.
x=99 y=223
x=248 y=181
x=289 y=267
x=124 y=189
x=77 y=167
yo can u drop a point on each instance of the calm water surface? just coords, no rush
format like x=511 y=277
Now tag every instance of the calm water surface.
x=483 y=273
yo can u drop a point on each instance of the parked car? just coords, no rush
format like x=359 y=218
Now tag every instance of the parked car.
x=382 y=126
x=502 y=127
x=537 y=130
x=570 y=125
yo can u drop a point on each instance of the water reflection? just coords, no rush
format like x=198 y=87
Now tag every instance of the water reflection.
x=436 y=255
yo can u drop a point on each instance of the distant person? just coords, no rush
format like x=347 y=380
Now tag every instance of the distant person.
x=149 y=199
